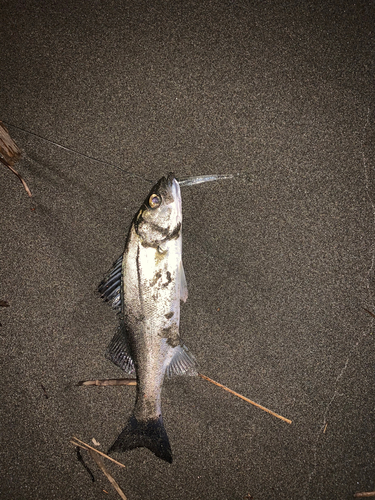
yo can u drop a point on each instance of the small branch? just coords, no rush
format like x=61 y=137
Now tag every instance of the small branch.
x=107 y=382
x=365 y=494
x=18 y=175
x=81 y=444
x=245 y=399
x=94 y=454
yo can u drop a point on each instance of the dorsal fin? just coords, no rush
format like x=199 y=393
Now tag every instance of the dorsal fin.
x=110 y=287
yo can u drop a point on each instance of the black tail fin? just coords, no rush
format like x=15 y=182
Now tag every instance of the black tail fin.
x=150 y=434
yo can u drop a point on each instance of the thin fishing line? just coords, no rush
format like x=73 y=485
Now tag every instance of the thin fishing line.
x=77 y=152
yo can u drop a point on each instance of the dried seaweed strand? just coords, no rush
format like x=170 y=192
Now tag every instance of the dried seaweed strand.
x=88 y=447
x=245 y=399
x=94 y=454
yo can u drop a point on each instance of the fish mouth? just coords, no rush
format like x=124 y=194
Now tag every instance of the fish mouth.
x=171 y=184
x=170 y=188
x=170 y=178
x=173 y=196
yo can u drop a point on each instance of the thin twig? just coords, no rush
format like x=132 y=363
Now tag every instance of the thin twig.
x=87 y=446
x=245 y=399
x=365 y=494
x=107 y=382
x=94 y=454
x=44 y=391
x=18 y=175
x=372 y=314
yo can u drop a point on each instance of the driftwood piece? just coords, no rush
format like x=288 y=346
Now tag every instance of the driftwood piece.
x=9 y=151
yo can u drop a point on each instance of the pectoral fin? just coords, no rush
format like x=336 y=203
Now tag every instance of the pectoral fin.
x=182 y=363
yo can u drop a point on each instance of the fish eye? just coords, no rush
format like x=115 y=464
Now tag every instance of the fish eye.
x=154 y=201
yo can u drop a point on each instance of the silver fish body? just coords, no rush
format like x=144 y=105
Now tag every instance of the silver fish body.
x=147 y=284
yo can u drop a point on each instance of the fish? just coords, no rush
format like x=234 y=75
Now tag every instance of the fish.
x=146 y=286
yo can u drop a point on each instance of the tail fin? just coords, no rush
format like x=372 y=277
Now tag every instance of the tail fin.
x=150 y=434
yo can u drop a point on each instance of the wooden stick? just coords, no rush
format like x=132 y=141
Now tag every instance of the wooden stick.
x=245 y=399
x=107 y=382
x=82 y=444
x=365 y=494
x=126 y=381
x=99 y=462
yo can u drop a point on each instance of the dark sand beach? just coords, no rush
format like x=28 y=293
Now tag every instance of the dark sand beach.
x=279 y=261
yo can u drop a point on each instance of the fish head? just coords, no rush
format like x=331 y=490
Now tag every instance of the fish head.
x=160 y=217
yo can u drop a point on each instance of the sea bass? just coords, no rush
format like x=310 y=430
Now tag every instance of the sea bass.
x=147 y=284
